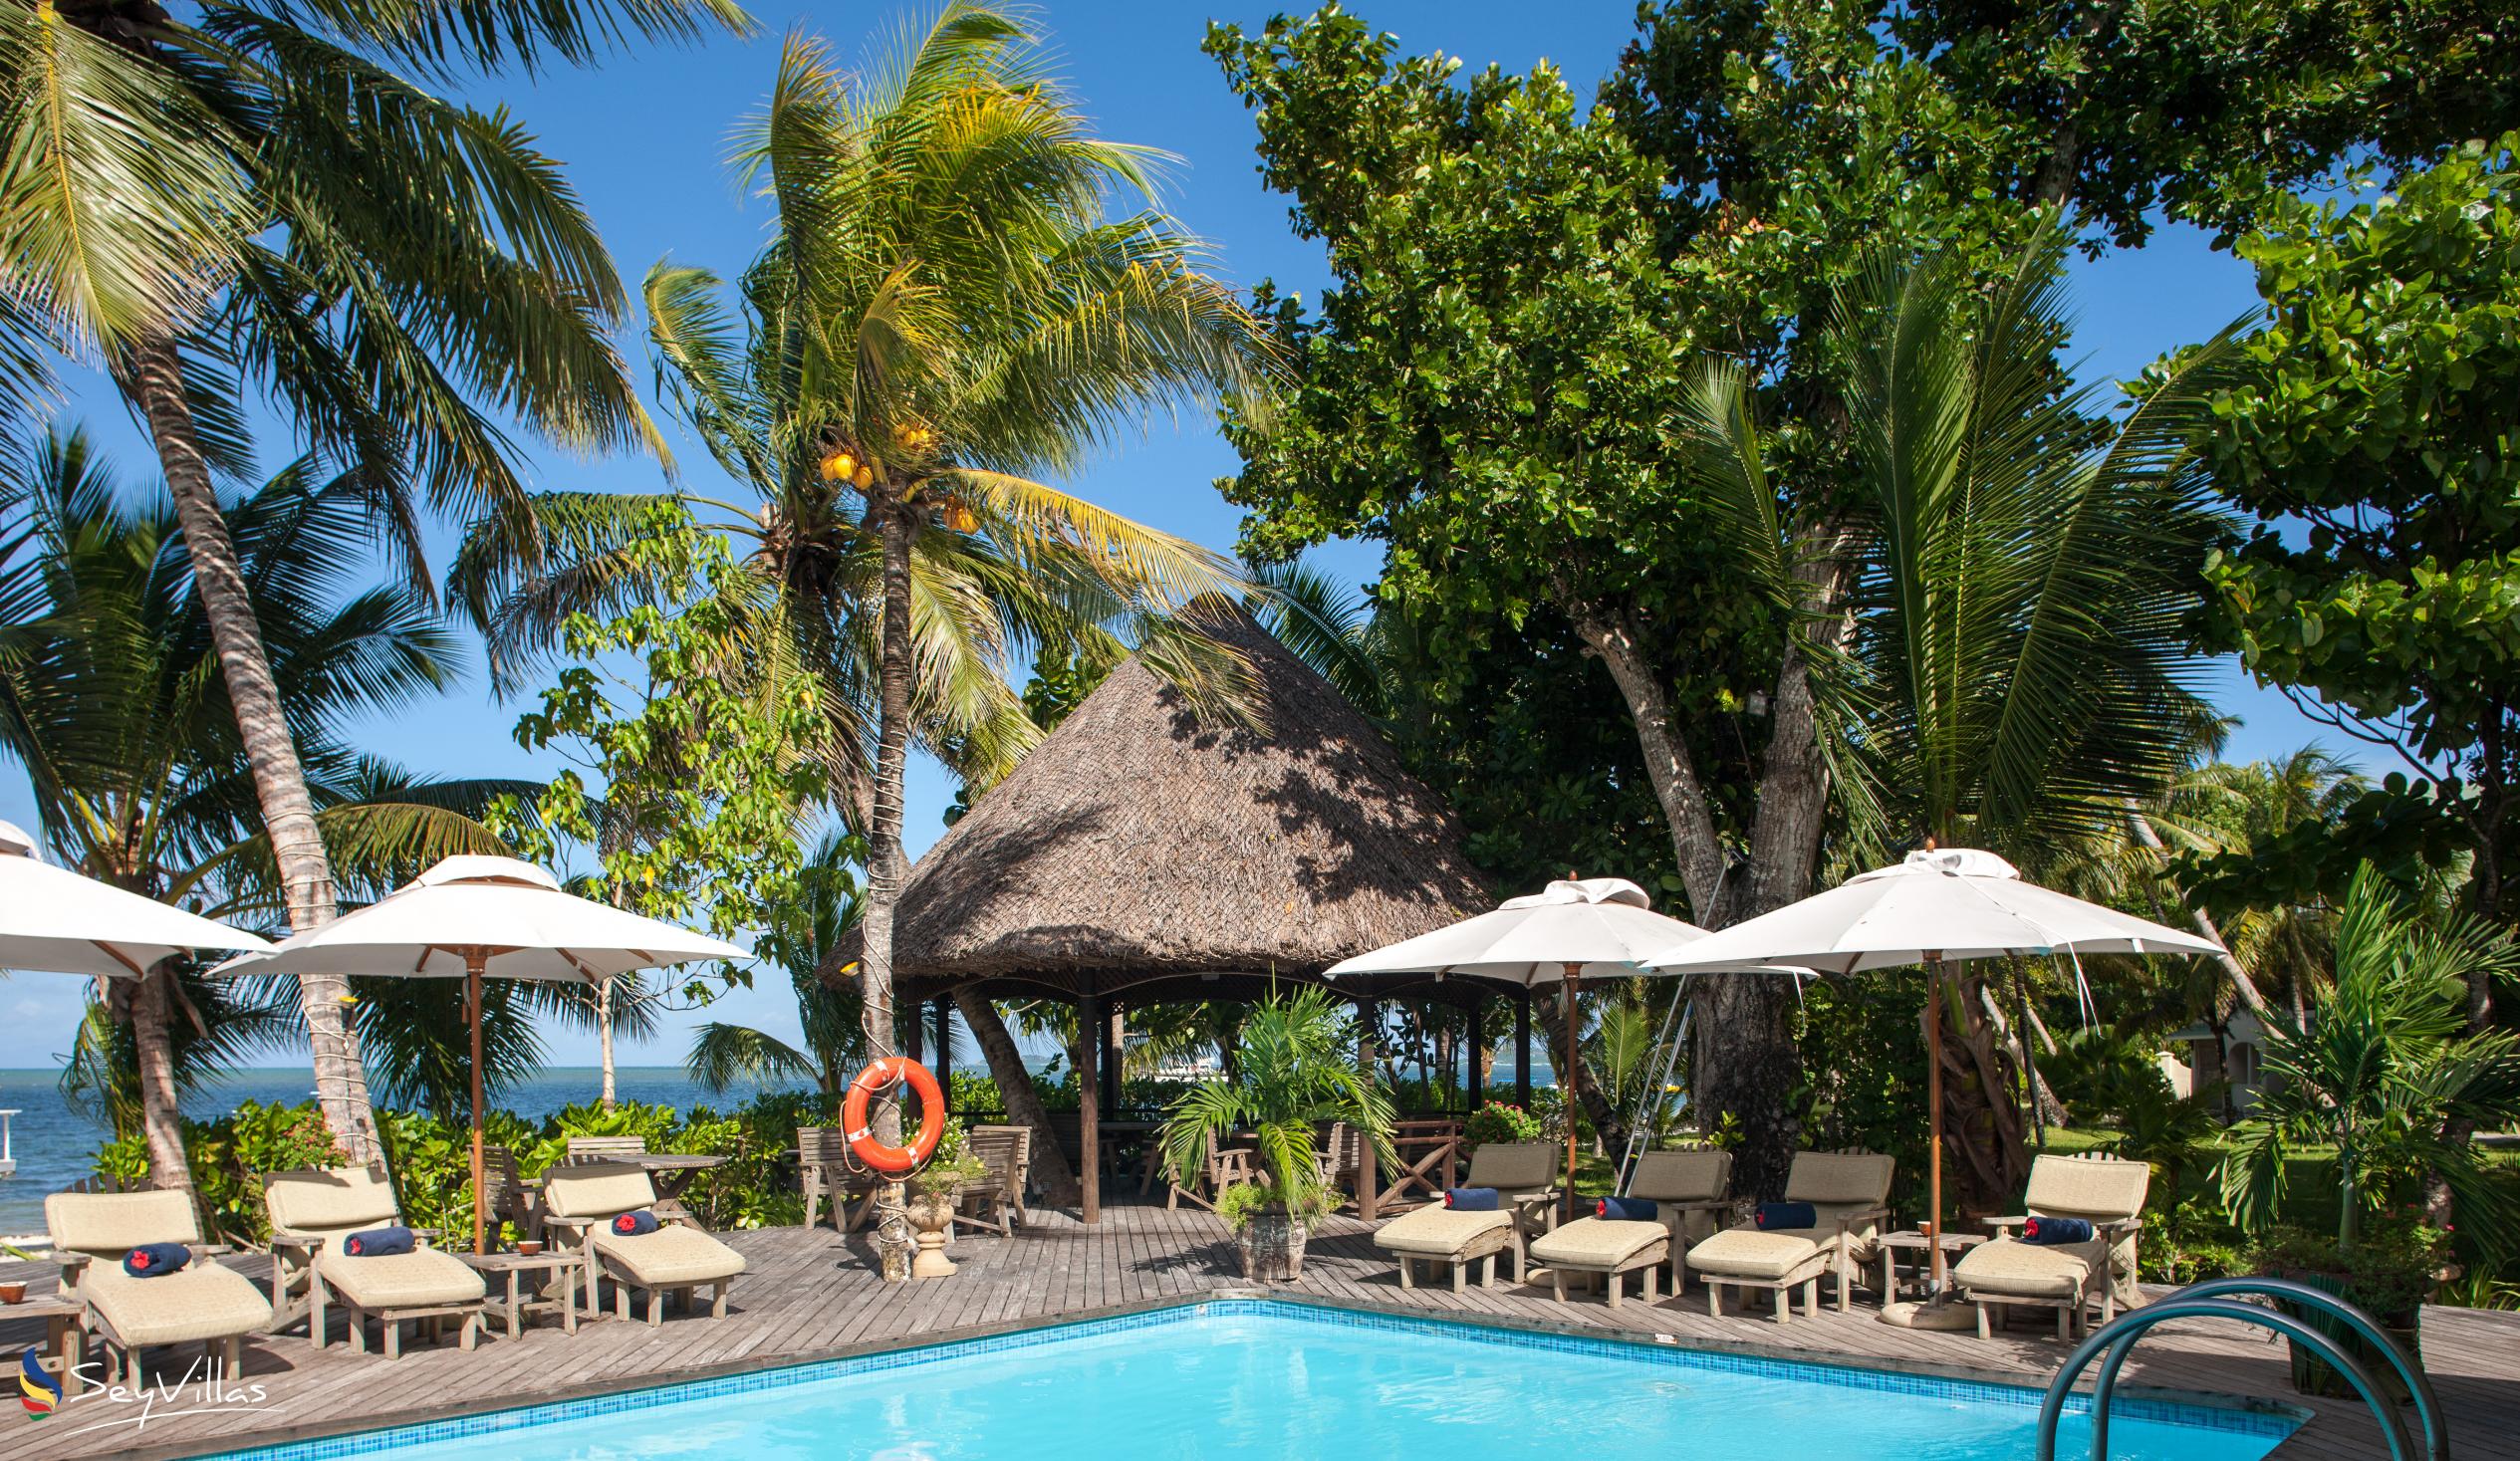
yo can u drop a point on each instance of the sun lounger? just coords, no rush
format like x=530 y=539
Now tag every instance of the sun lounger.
x=1850 y=1194
x=1603 y=1248
x=1686 y=1188
x=579 y=1203
x=2067 y=1277
x=204 y=1302
x=311 y=1213
x=1439 y=1234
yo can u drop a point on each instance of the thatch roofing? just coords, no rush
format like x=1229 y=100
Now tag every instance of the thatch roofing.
x=1136 y=851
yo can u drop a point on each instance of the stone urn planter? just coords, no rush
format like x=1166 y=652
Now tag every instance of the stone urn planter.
x=931 y=1216
x=1272 y=1245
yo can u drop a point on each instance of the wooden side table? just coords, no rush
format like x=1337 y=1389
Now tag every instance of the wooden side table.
x=64 y=1340
x=1921 y=1264
x=518 y=1307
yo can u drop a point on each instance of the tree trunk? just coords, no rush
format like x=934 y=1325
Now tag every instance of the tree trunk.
x=1609 y=1123
x=161 y=1116
x=1982 y=1113
x=2150 y=841
x=1051 y=1172
x=151 y=377
x=887 y=869
x=1669 y=765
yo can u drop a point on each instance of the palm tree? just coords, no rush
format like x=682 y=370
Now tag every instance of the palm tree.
x=2019 y=670
x=111 y=701
x=262 y=199
x=1297 y=1073
x=2388 y=1062
x=947 y=307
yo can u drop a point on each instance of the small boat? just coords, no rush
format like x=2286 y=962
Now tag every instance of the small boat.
x=8 y=1158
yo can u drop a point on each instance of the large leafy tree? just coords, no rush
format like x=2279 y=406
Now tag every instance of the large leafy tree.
x=955 y=300
x=112 y=702
x=262 y=199
x=2381 y=586
x=1522 y=288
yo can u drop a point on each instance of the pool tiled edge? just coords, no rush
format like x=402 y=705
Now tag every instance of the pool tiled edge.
x=2247 y=1417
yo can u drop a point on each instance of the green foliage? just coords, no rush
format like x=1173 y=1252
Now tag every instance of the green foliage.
x=701 y=761
x=2399 y=609
x=2387 y=1063
x=1500 y=1121
x=430 y=1158
x=1237 y=1204
x=2387 y=1271
x=229 y=1158
x=1296 y=1070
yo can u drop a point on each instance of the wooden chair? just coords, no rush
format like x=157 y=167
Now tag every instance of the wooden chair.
x=997 y=1201
x=1341 y=1158
x=824 y=1170
x=506 y=1196
x=1223 y=1167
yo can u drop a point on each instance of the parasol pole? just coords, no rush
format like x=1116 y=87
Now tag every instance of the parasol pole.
x=1566 y=1083
x=1933 y=1119
x=474 y=960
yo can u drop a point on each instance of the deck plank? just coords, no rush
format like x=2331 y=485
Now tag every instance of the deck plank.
x=809 y=1292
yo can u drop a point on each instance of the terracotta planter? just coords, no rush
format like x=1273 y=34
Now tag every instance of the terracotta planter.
x=1272 y=1245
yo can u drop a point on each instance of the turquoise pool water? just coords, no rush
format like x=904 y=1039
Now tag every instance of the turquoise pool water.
x=1262 y=1379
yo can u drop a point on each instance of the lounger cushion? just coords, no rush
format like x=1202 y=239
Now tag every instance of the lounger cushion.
x=420 y=1279
x=1519 y=1169
x=596 y=1189
x=1682 y=1176
x=110 y=1224
x=1748 y=1253
x=1603 y=1243
x=329 y=1201
x=667 y=1257
x=2029 y=1269
x=203 y=1301
x=1438 y=1232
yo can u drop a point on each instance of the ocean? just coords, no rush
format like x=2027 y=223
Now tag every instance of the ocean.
x=51 y=1142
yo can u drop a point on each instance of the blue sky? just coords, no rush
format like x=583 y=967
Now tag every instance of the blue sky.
x=644 y=141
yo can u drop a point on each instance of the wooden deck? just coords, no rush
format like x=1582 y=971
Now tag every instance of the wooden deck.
x=807 y=1296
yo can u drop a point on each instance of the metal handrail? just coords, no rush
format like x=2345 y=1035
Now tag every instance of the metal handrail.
x=2121 y=1332
x=2435 y=1429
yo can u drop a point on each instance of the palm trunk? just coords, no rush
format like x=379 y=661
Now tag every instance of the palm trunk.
x=604 y=1037
x=2150 y=841
x=887 y=869
x=1051 y=1172
x=1581 y=1086
x=151 y=377
x=161 y=1115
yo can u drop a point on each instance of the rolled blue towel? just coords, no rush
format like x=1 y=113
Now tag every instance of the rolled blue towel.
x=150 y=1260
x=1472 y=1199
x=1626 y=1209
x=2056 y=1230
x=631 y=1224
x=378 y=1241
x=1776 y=1215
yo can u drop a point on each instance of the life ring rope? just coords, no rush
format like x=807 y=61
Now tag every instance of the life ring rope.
x=883 y=1159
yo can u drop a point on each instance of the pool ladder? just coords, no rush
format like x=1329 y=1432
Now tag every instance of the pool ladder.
x=2217 y=1299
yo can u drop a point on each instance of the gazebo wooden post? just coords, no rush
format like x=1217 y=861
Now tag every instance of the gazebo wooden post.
x=1472 y=1048
x=1368 y=1181
x=1092 y=1031
x=1113 y=1031
x=1522 y=1049
x=944 y=1065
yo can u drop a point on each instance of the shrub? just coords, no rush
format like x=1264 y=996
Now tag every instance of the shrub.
x=1500 y=1120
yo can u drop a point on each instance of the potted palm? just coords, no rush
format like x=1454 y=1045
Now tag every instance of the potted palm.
x=2381 y=1072
x=1296 y=1073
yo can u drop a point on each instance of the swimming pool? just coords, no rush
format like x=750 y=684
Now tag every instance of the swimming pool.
x=1262 y=1378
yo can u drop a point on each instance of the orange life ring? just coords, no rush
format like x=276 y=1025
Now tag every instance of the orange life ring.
x=894 y=1161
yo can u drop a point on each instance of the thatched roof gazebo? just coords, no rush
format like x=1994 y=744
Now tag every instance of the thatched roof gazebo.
x=1140 y=855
